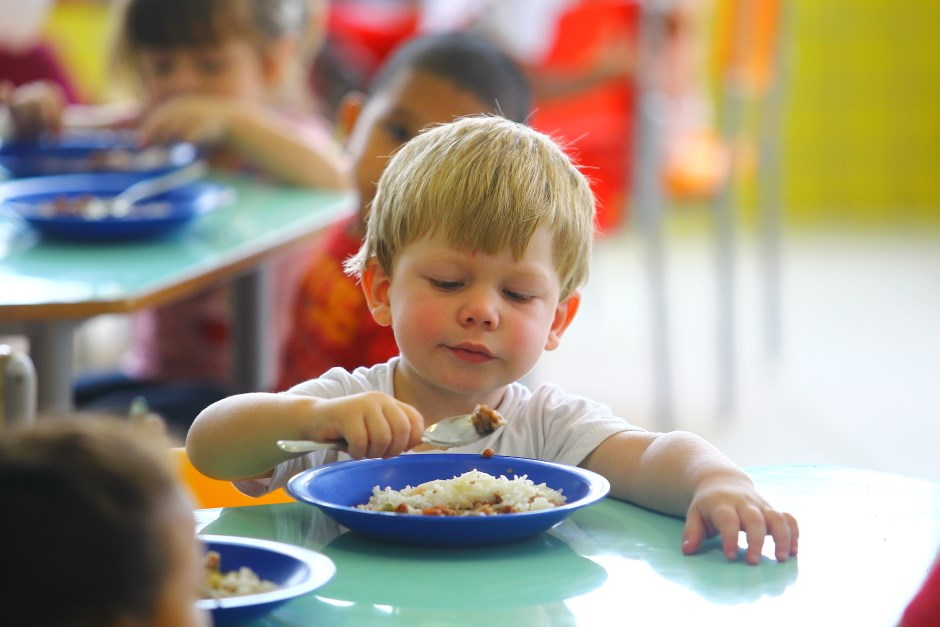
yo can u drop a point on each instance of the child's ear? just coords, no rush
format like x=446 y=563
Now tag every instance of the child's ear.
x=348 y=112
x=564 y=314
x=375 y=284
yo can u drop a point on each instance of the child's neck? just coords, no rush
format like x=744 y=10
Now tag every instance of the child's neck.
x=435 y=405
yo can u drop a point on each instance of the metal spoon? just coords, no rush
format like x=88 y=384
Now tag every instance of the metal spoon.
x=120 y=205
x=453 y=431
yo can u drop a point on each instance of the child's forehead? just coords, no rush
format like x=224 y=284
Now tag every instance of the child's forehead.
x=437 y=246
x=211 y=42
x=440 y=97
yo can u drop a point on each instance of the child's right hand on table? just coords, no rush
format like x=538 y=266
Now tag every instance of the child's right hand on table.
x=373 y=424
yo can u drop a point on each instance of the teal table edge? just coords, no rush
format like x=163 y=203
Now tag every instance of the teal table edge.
x=51 y=286
x=867 y=540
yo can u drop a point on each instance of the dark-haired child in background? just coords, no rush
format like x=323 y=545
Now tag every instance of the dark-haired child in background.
x=222 y=74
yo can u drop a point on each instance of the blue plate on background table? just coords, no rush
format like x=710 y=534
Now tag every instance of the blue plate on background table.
x=30 y=198
x=338 y=488
x=295 y=570
x=100 y=151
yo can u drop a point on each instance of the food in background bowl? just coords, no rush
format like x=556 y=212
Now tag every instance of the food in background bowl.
x=65 y=160
x=126 y=160
x=76 y=206
x=91 y=152
x=474 y=493
x=91 y=207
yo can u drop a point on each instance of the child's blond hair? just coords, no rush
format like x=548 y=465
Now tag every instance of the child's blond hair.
x=488 y=183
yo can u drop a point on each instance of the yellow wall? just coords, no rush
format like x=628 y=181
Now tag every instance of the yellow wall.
x=861 y=132
x=79 y=31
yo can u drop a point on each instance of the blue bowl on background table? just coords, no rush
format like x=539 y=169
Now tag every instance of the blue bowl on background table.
x=295 y=570
x=338 y=488
x=30 y=200
x=84 y=152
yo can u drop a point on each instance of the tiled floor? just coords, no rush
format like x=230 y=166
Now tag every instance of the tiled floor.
x=857 y=381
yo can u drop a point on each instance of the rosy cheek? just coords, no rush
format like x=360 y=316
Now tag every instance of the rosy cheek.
x=522 y=332
x=517 y=335
x=424 y=318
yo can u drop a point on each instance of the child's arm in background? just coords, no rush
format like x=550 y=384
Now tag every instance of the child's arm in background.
x=33 y=108
x=288 y=151
x=681 y=474
x=235 y=438
x=40 y=107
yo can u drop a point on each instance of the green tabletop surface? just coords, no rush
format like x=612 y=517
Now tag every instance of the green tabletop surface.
x=47 y=278
x=867 y=541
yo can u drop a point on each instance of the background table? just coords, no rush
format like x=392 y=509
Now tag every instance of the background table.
x=49 y=287
x=867 y=541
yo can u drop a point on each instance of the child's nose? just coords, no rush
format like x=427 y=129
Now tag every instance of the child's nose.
x=480 y=309
x=181 y=81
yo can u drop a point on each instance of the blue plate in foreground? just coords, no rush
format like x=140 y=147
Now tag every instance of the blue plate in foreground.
x=295 y=570
x=35 y=200
x=338 y=488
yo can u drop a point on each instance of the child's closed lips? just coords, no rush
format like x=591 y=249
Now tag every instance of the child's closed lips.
x=476 y=353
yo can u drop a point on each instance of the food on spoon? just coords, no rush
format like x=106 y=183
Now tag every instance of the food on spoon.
x=234 y=583
x=474 y=493
x=486 y=420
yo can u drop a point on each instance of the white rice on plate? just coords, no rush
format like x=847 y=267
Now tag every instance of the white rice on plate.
x=473 y=493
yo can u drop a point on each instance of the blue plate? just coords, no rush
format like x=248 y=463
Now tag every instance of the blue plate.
x=27 y=197
x=338 y=488
x=91 y=152
x=295 y=570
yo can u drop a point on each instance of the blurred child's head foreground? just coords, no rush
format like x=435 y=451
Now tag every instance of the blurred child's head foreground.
x=487 y=184
x=97 y=530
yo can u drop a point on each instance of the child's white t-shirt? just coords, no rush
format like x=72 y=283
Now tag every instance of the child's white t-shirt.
x=546 y=423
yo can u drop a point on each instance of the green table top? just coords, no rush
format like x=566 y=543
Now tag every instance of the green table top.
x=45 y=278
x=867 y=540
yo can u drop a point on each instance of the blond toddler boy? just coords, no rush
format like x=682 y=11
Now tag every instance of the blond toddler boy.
x=477 y=244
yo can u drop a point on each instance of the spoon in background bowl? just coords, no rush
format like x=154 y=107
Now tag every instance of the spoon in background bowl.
x=120 y=205
x=449 y=432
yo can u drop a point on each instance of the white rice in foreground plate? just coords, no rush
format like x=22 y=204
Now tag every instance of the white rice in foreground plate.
x=233 y=583
x=473 y=493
